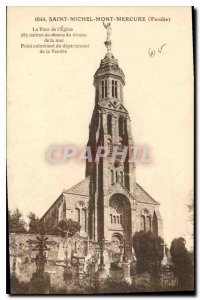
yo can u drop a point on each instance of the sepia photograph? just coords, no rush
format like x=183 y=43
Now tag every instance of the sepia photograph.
x=100 y=150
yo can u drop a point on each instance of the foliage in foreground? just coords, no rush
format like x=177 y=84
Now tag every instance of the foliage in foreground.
x=183 y=263
x=148 y=250
x=67 y=228
x=109 y=286
x=16 y=224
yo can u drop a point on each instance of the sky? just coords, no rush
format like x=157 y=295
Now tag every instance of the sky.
x=51 y=98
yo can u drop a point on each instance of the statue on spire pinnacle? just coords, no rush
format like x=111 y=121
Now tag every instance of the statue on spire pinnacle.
x=109 y=31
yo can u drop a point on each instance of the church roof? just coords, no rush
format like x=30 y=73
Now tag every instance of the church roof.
x=143 y=197
x=118 y=187
x=81 y=188
x=109 y=66
x=109 y=60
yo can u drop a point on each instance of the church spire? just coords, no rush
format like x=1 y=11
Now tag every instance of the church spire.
x=109 y=78
x=108 y=42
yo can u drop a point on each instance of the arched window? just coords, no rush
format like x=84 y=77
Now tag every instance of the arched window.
x=148 y=223
x=109 y=124
x=121 y=126
x=142 y=223
x=104 y=88
x=117 y=177
x=77 y=212
x=114 y=219
x=64 y=210
x=84 y=219
x=121 y=177
x=111 y=219
x=112 y=177
x=120 y=219
x=114 y=89
x=117 y=219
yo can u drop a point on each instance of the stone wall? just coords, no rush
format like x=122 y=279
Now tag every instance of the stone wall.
x=22 y=256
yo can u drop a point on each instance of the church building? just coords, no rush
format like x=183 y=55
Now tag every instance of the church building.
x=108 y=203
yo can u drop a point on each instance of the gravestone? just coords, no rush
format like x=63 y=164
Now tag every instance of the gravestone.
x=126 y=272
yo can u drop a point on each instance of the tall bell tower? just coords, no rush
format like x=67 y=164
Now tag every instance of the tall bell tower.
x=110 y=126
x=108 y=203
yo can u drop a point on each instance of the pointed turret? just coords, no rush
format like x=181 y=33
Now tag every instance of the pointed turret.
x=109 y=78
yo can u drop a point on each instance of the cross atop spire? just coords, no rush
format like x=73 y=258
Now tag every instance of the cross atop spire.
x=108 y=42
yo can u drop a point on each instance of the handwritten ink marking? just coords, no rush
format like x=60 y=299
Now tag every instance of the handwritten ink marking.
x=153 y=52
x=160 y=49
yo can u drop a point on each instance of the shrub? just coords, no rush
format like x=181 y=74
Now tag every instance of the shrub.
x=148 y=250
x=183 y=263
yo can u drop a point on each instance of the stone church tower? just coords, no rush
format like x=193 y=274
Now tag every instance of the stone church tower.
x=112 y=182
x=108 y=203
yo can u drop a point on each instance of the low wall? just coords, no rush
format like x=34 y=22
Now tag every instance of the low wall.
x=22 y=255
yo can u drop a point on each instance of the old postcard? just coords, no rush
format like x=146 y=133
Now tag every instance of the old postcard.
x=100 y=149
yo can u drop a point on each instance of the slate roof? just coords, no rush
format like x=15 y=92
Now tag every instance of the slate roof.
x=143 y=197
x=81 y=188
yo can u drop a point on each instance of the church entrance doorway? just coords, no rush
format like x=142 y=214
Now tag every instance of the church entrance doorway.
x=120 y=223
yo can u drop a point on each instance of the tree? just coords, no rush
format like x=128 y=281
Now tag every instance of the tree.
x=41 y=244
x=148 y=250
x=40 y=281
x=67 y=228
x=183 y=263
x=48 y=226
x=16 y=223
x=34 y=223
